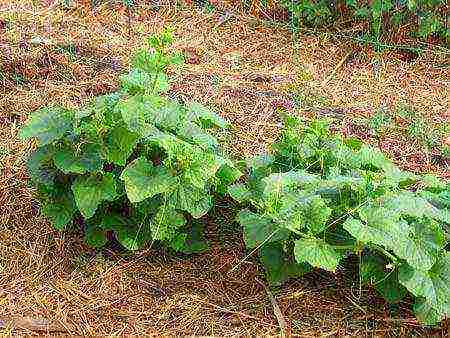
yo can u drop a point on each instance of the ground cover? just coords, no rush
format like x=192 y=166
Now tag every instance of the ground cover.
x=246 y=68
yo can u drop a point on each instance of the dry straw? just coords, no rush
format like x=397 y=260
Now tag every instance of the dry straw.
x=51 y=283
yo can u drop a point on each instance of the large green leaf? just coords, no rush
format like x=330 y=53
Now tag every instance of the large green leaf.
x=195 y=165
x=143 y=180
x=135 y=112
x=60 y=210
x=276 y=184
x=41 y=167
x=79 y=160
x=407 y=203
x=373 y=157
x=95 y=236
x=133 y=237
x=419 y=245
x=226 y=175
x=279 y=266
x=240 y=192
x=395 y=177
x=425 y=313
x=259 y=229
x=198 y=136
x=166 y=223
x=201 y=114
x=102 y=107
x=317 y=253
x=194 y=239
x=90 y=191
x=112 y=221
x=169 y=115
x=120 y=143
x=300 y=211
x=195 y=201
x=434 y=285
x=136 y=81
x=373 y=271
x=47 y=125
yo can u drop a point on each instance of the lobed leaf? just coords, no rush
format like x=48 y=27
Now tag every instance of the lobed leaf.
x=120 y=144
x=166 y=223
x=143 y=180
x=90 y=191
x=279 y=266
x=60 y=210
x=317 y=253
x=433 y=285
x=259 y=230
x=47 y=125
x=86 y=158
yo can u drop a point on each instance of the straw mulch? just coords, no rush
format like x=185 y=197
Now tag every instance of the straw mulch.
x=51 y=283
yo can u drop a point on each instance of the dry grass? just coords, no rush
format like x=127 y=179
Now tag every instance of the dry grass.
x=51 y=283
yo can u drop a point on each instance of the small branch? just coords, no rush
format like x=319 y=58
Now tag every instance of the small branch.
x=276 y=309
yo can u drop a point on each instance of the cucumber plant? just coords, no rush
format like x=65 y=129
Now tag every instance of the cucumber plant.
x=132 y=164
x=319 y=197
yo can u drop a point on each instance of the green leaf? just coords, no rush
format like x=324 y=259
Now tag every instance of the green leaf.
x=95 y=236
x=426 y=314
x=169 y=116
x=198 y=136
x=412 y=4
x=279 y=267
x=143 y=180
x=112 y=221
x=47 y=125
x=137 y=81
x=395 y=177
x=317 y=253
x=41 y=167
x=195 y=201
x=133 y=237
x=433 y=285
x=90 y=191
x=161 y=83
x=407 y=203
x=419 y=246
x=240 y=192
x=135 y=113
x=276 y=184
x=373 y=271
x=433 y=183
x=204 y=116
x=120 y=143
x=101 y=109
x=60 y=211
x=194 y=241
x=85 y=158
x=166 y=223
x=194 y=165
x=259 y=229
x=373 y=157
x=227 y=174
x=298 y=211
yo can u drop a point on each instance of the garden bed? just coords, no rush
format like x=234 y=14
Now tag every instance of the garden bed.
x=51 y=281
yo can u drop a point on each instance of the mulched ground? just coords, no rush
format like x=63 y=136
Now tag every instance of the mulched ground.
x=50 y=282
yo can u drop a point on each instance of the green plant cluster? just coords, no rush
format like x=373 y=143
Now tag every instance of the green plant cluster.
x=319 y=197
x=422 y=18
x=139 y=167
x=133 y=163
